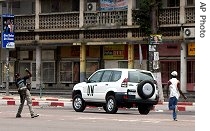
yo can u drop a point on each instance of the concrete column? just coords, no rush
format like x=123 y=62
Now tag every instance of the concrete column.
x=182 y=11
x=130 y=46
x=129 y=15
x=183 y=52
x=38 y=48
x=82 y=46
x=130 y=56
x=81 y=13
x=37 y=11
x=183 y=69
x=82 y=62
x=38 y=66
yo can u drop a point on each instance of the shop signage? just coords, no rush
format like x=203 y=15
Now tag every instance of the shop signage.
x=191 y=49
x=114 y=52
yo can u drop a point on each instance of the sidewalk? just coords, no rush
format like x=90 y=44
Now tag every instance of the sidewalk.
x=64 y=102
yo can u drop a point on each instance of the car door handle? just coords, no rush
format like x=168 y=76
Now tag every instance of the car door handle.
x=106 y=84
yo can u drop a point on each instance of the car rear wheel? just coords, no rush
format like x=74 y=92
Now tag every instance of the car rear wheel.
x=146 y=89
x=111 y=105
x=78 y=103
x=144 y=109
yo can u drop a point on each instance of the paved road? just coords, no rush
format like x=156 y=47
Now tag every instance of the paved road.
x=66 y=119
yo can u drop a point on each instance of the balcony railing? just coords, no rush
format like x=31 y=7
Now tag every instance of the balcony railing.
x=105 y=18
x=24 y=22
x=169 y=16
x=70 y=20
x=65 y=26
x=190 y=15
x=59 y=20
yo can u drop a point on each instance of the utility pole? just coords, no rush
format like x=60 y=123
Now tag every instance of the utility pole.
x=6 y=40
x=156 y=72
x=7 y=60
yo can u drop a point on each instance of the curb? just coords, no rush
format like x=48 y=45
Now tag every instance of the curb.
x=56 y=102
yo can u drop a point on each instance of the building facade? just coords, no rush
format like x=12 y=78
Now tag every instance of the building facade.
x=63 y=42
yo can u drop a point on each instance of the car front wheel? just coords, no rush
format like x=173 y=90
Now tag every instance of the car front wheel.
x=111 y=105
x=78 y=103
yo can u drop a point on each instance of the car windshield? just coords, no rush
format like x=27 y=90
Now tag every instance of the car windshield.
x=137 y=76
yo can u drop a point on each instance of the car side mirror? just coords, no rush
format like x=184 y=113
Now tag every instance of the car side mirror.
x=86 y=80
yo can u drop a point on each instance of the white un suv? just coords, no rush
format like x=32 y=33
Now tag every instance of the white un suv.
x=114 y=88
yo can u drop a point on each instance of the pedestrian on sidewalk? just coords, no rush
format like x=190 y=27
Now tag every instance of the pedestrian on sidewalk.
x=174 y=88
x=21 y=84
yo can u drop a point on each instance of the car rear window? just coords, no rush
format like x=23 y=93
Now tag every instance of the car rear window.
x=137 y=76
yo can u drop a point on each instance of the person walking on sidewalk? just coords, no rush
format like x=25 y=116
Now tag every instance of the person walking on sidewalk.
x=24 y=93
x=174 y=88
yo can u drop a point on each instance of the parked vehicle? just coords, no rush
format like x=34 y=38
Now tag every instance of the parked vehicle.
x=114 y=88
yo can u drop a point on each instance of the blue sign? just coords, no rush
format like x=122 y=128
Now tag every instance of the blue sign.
x=8 y=35
x=106 y=5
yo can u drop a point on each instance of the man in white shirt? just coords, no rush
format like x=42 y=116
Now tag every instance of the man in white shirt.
x=175 y=91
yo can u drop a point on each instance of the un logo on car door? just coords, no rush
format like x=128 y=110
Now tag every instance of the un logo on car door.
x=90 y=90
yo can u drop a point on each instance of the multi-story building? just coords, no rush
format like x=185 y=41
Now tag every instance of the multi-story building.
x=64 y=41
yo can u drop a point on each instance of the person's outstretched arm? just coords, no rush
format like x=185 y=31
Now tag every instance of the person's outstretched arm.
x=29 y=73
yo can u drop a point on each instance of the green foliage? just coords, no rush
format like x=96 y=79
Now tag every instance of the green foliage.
x=143 y=16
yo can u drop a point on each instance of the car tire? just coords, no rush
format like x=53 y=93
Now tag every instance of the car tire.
x=146 y=89
x=111 y=105
x=143 y=109
x=78 y=103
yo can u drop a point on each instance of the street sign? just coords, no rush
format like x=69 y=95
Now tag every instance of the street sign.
x=8 y=34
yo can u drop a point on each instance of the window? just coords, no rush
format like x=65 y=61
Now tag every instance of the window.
x=167 y=67
x=96 y=77
x=91 y=67
x=48 y=6
x=11 y=72
x=14 y=4
x=48 y=70
x=123 y=64
x=65 y=72
x=116 y=76
x=190 y=2
x=33 y=71
x=191 y=72
x=173 y=3
x=137 y=76
x=106 y=76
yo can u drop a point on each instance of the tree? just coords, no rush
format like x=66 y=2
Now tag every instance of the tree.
x=146 y=17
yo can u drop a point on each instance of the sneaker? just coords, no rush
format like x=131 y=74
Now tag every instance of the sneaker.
x=175 y=119
x=18 y=116
x=35 y=115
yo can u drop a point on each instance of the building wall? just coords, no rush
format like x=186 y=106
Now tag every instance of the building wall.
x=56 y=32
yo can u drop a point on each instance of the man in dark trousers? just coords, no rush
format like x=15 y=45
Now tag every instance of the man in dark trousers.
x=24 y=93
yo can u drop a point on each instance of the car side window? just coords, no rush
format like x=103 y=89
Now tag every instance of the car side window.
x=136 y=76
x=106 y=76
x=146 y=76
x=96 y=77
x=115 y=76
